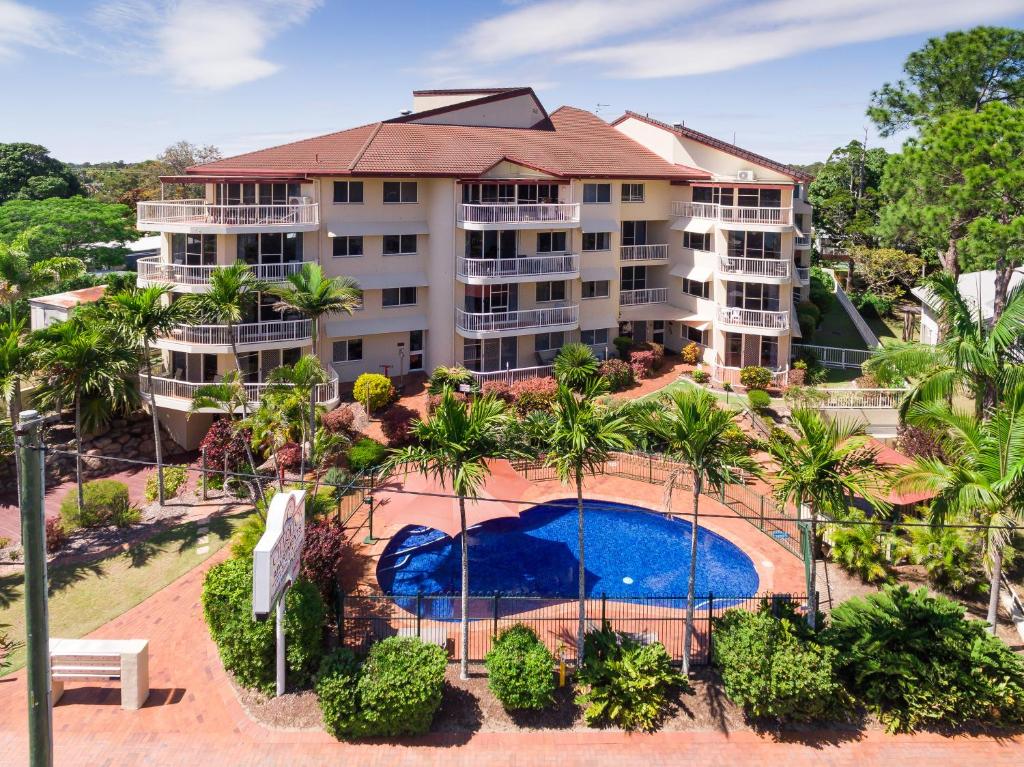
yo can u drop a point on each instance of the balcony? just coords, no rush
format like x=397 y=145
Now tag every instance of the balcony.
x=802 y=242
x=250 y=336
x=648 y=253
x=188 y=278
x=803 y=274
x=516 y=323
x=201 y=217
x=476 y=271
x=175 y=394
x=734 y=214
x=768 y=323
x=643 y=296
x=757 y=269
x=558 y=215
x=513 y=375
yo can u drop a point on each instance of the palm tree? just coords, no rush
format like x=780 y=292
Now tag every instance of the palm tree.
x=454 y=446
x=705 y=440
x=575 y=365
x=828 y=462
x=19 y=278
x=16 y=349
x=90 y=366
x=582 y=434
x=298 y=383
x=141 y=315
x=981 y=482
x=973 y=358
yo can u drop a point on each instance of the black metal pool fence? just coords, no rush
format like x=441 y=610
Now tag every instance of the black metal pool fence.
x=365 y=619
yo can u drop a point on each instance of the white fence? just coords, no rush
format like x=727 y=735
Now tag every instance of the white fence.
x=199 y=212
x=153 y=269
x=858 y=322
x=534 y=213
x=643 y=296
x=517 y=320
x=643 y=253
x=755 y=267
x=856 y=399
x=515 y=267
x=246 y=333
x=513 y=375
x=835 y=356
x=731 y=375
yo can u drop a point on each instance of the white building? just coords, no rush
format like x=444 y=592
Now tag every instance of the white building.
x=976 y=288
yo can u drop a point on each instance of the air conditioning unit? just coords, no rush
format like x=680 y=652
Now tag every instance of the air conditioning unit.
x=744 y=175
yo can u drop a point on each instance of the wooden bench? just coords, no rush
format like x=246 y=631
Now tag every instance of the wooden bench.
x=126 y=660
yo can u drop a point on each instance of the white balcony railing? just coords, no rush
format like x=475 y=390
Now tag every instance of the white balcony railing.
x=754 y=267
x=803 y=273
x=733 y=214
x=753 y=318
x=513 y=375
x=200 y=212
x=518 y=267
x=643 y=296
x=643 y=253
x=244 y=334
x=802 y=242
x=731 y=375
x=173 y=388
x=153 y=269
x=856 y=399
x=531 y=213
x=523 y=319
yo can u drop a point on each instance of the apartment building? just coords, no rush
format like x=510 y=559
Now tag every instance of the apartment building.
x=486 y=232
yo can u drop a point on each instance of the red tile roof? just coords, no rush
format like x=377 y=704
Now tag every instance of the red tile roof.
x=72 y=298
x=577 y=144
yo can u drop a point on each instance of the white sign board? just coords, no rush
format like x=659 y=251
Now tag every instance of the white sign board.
x=277 y=556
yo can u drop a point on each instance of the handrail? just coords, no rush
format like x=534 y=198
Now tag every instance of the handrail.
x=643 y=252
x=643 y=296
x=199 y=212
x=155 y=269
x=531 y=213
x=513 y=375
x=831 y=398
x=164 y=386
x=835 y=356
x=755 y=267
x=515 y=267
x=753 y=318
x=245 y=333
x=735 y=214
x=731 y=375
x=858 y=322
x=517 y=320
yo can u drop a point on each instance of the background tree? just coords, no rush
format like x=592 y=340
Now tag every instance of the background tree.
x=120 y=182
x=298 y=384
x=962 y=70
x=27 y=172
x=182 y=155
x=886 y=272
x=20 y=279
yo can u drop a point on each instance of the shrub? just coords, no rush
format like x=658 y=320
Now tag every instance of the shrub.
x=323 y=553
x=756 y=377
x=860 y=550
x=289 y=456
x=397 y=424
x=126 y=517
x=534 y=394
x=106 y=500
x=55 y=536
x=366 y=454
x=950 y=557
x=797 y=375
x=811 y=308
x=913 y=660
x=174 y=479
x=222 y=440
x=700 y=376
x=248 y=534
x=866 y=381
x=643 y=362
x=919 y=442
x=771 y=670
x=336 y=691
x=820 y=291
x=499 y=390
x=691 y=353
x=759 y=400
x=335 y=478
x=246 y=646
x=574 y=366
x=520 y=669
x=807 y=324
x=373 y=391
x=873 y=303
x=625 y=683
x=618 y=374
x=622 y=345
x=339 y=420
x=450 y=377
x=433 y=400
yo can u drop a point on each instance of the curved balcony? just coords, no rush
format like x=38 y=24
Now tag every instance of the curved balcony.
x=643 y=296
x=189 y=278
x=772 y=270
x=755 y=320
x=517 y=323
x=250 y=336
x=202 y=217
x=736 y=215
x=477 y=271
x=646 y=253
x=175 y=394
x=554 y=215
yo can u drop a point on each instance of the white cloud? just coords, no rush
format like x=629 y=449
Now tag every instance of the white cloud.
x=22 y=26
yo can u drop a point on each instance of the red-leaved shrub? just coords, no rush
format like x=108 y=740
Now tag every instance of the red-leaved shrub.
x=499 y=389
x=289 y=456
x=55 y=535
x=433 y=400
x=339 y=420
x=397 y=423
x=643 y=362
x=324 y=554
x=618 y=373
x=919 y=442
x=534 y=394
x=222 y=440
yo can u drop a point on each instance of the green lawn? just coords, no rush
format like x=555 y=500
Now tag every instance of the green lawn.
x=84 y=597
x=686 y=383
x=836 y=329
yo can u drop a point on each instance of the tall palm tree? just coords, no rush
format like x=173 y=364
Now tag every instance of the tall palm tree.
x=827 y=463
x=299 y=383
x=582 y=434
x=704 y=438
x=982 y=482
x=973 y=358
x=141 y=315
x=88 y=365
x=454 y=446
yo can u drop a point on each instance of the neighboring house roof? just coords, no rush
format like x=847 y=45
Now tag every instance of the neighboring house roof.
x=71 y=298
x=141 y=245
x=888 y=457
x=973 y=286
x=722 y=146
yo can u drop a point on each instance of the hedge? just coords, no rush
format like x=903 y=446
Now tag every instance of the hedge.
x=520 y=669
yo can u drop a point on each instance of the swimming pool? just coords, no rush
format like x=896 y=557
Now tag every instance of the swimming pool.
x=630 y=552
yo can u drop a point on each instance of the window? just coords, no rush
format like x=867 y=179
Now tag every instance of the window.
x=658 y=332
x=594 y=337
x=271 y=248
x=194 y=249
x=595 y=289
x=347 y=247
x=769 y=352
x=754 y=244
x=493 y=244
x=415 y=350
x=533 y=194
x=596 y=193
x=713 y=194
x=349 y=192
x=633 y=278
x=692 y=334
x=551 y=242
x=597 y=241
x=696 y=241
x=634 y=232
x=632 y=192
x=546 y=342
x=492 y=354
x=348 y=351
x=759 y=198
x=399 y=244
x=399 y=191
x=550 y=291
x=252 y=193
x=694 y=288
x=398 y=297
x=753 y=295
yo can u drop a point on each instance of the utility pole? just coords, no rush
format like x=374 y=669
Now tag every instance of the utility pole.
x=30 y=499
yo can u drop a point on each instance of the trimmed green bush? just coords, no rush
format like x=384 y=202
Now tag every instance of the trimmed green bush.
x=772 y=668
x=759 y=400
x=807 y=324
x=624 y=682
x=450 y=377
x=755 y=377
x=700 y=376
x=810 y=308
x=860 y=549
x=520 y=669
x=365 y=454
x=174 y=480
x=622 y=345
x=337 y=693
x=373 y=391
x=106 y=503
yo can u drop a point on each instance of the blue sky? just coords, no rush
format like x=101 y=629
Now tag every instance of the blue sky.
x=121 y=79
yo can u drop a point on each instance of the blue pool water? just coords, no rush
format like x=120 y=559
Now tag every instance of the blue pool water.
x=630 y=553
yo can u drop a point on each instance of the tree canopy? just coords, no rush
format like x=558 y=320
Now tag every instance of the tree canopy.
x=27 y=172
x=845 y=193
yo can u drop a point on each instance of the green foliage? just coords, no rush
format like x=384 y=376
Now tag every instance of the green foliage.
x=575 y=365
x=860 y=549
x=700 y=376
x=885 y=272
x=304 y=630
x=756 y=377
x=807 y=324
x=106 y=503
x=811 y=308
x=520 y=669
x=914 y=661
x=845 y=193
x=248 y=534
x=821 y=289
x=622 y=345
x=174 y=480
x=373 y=391
x=450 y=377
x=338 y=695
x=759 y=400
x=624 y=682
x=951 y=558
x=27 y=172
x=869 y=303
x=771 y=667
x=617 y=373
x=366 y=454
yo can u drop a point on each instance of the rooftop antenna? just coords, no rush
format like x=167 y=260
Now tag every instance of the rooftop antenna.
x=734 y=138
x=598 y=107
